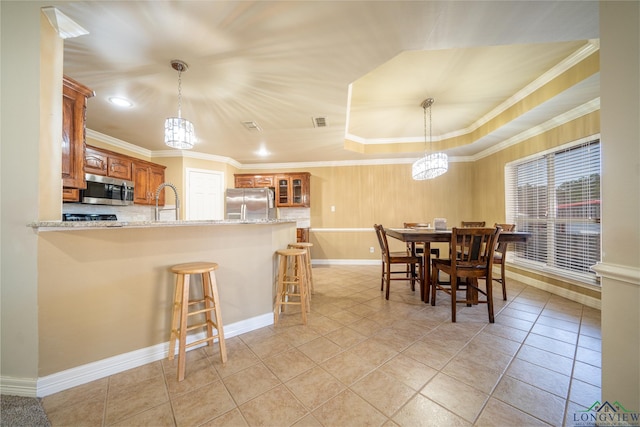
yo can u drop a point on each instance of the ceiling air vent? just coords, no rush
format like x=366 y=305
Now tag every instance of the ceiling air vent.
x=252 y=126
x=319 y=122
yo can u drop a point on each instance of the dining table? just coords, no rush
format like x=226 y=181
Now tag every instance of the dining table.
x=428 y=235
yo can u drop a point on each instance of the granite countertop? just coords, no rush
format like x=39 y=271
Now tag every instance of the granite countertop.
x=84 y=225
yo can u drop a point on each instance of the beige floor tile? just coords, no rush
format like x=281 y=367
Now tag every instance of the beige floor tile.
x=589 y=356
x=430 y=355
x=276 y=407
x=563 y=313
x=420 y=411
x=540 y=377
x=136 y=398
x=90 y=391
x=559 y=323
x=458 y=397
x=497 y=413
x=233 y=418
x=315 y=387
x=397 y=363
x=504 y=331
x=555 y=333
x=491 y=343
x=88 y=412
x=251 y=382
x=289 y=364
x=307 y=421
x=132 y=376
x=374 y=351
x=513 y=322
x=348 y=367
x=549 y=360
x=345 y=337
x=298 y=335
x=473 y=372
x=531 y=400
x=409 y=371
x=202 y=404
x=197 y=374
x=516 y=313
x=384 y=392
x=269 y=346
x=584 y=394
x=549 y=344
x=348 y=409
x=398 y=339
x=239 y=357
x=160 y=416
x=323 y=325
x=587 y=373
x=320 y=349
x=591 y=343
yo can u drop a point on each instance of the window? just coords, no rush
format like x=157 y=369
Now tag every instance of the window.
x=556 y=197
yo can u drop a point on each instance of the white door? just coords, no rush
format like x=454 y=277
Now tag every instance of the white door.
x=205 y=194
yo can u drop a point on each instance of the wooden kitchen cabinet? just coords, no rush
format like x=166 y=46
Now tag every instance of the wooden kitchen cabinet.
x=74 y=106
x=292 y=190
x=147 y=177
x=107 y=163
x=253 y=181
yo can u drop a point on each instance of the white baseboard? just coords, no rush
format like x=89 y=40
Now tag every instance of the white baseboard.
x=345 y=262
x=83 y=374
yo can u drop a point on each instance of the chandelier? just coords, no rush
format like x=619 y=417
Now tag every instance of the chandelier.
x=432 y=164
x=178 y=132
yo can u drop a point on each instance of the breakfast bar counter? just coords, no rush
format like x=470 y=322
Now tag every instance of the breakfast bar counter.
x=106 y=291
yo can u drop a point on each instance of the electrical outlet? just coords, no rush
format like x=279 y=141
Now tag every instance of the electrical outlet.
x=371 y=249
x=333 y=208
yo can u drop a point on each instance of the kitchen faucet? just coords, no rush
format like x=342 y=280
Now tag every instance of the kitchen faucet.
x=175 y=192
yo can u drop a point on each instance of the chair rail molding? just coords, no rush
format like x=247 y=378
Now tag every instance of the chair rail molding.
x=622 y=273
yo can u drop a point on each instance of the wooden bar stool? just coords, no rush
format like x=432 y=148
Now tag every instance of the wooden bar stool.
x=307 y=246
x=206 y=305
x=292 y=282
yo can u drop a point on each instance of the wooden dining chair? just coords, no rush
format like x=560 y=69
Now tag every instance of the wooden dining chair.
x=418 y=248
x=500 y=257
x=412 y=262
x=472 y=223
x=475 y=248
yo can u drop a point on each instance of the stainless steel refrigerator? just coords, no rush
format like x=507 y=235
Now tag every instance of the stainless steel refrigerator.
x=250 y=204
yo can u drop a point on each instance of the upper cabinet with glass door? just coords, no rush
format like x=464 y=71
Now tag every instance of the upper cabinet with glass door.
x=292 y=190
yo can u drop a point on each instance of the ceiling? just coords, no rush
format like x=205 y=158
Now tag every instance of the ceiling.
x=364 y=67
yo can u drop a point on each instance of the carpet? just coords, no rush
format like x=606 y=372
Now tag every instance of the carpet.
x=18 y=411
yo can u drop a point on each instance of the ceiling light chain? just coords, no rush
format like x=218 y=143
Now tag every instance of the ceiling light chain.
x=434 y=164
x=178 y=132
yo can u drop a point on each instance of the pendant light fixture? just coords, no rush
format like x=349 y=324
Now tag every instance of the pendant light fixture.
x=433 y=164
x=178 y=132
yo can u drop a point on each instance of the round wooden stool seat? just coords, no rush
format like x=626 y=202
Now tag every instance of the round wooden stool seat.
x=194 y=267
x=292 y=285
x=207 y=308
x=291 y=252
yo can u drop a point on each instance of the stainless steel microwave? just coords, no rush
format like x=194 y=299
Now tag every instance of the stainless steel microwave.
x=103 y=190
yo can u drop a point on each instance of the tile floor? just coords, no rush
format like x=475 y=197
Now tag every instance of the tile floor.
x=363 y=360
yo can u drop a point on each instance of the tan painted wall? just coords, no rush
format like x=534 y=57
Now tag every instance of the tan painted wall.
x=108 y=292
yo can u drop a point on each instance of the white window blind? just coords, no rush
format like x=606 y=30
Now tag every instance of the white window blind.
x=556 y=197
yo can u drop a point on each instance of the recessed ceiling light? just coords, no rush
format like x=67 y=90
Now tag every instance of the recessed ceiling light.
x=262 y=152
x=120 y=102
